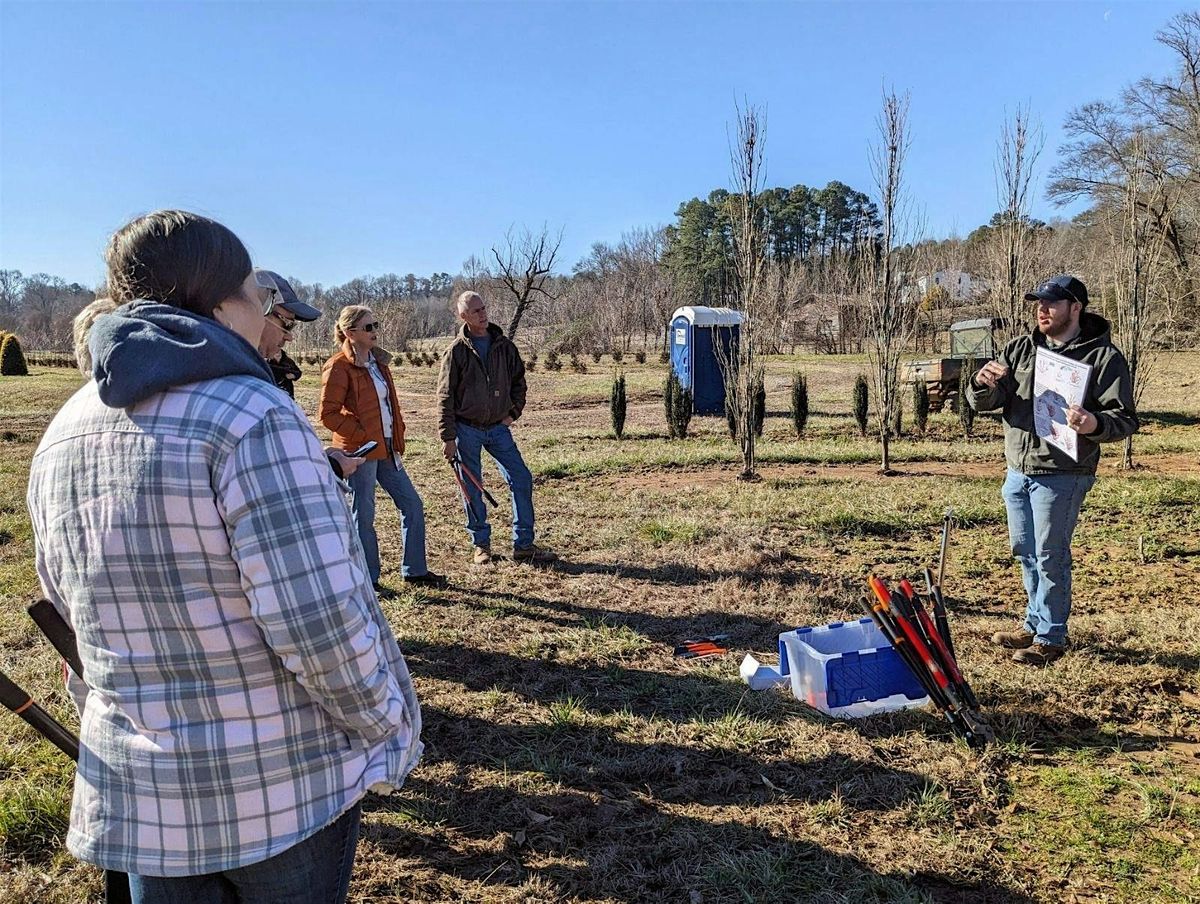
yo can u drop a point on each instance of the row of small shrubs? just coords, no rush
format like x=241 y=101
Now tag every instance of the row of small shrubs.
x=49 y=359
x=618 y=356
x=920 y=404
x=420 y=359
x=678 y=406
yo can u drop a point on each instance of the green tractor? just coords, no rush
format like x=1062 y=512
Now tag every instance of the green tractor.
x=970 y=341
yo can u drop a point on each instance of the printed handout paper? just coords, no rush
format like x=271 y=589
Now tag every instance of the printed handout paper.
x=1058 y=383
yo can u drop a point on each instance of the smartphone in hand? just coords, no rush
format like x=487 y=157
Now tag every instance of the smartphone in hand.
x=365 y=449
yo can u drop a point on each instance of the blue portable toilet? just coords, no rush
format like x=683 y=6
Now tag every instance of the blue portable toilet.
x=700 y=338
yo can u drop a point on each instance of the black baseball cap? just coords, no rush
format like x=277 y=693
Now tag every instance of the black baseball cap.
x=1060 y=288
x=281 y=295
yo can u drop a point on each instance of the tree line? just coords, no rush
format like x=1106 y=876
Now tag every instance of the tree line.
x=1135 y=159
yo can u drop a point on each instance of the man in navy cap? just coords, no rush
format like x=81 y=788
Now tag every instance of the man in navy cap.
x=283 y=309
x=1044 y=486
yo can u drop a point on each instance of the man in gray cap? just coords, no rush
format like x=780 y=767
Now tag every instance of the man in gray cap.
x=1044 y=487
x=283 y=309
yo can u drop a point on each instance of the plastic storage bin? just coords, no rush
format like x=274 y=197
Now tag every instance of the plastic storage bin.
x=848 y=669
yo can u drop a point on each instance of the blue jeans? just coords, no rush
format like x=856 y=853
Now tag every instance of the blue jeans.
x=315 y=871
x=1042 y=513
x=396 y=483
x=499 y=443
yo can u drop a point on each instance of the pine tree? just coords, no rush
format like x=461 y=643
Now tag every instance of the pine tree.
x=921 y=405
x=617 y=405
x=799 y=403
x=966 y=414
x=682 y=410
x=669 y=392
x=12 y=358
x=760 y=406
x=861 y=403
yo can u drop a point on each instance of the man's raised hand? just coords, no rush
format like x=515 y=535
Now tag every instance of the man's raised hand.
x=991 y=374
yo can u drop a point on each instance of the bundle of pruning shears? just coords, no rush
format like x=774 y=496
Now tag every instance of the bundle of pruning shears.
x=62 y=638
x=926 y=647
x=460 y=468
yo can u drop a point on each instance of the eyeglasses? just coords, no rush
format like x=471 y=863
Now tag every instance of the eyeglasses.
x=366 y=328
x=286 y=325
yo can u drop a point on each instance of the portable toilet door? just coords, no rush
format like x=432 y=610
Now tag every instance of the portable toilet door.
x=701 y=339
x=681 y=348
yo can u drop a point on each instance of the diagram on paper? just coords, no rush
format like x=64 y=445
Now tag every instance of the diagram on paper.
x=1058 y=383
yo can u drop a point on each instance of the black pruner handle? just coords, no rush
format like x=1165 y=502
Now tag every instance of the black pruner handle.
x=461 y=465
x=17 y=700
x=58 y=632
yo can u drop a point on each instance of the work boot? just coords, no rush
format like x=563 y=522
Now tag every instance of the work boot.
x=429 y=579
x=1013 y=640
x=1040 y=654
x=482 y=555
x=384 y=593
x=534 y=554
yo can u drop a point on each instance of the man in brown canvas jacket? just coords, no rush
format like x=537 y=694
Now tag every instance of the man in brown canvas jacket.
x=481 y=392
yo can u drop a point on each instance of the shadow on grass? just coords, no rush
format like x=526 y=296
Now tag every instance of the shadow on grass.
x=627 y=821
x=1168 y=418
x=680 y=575
x=1188 y=663
x=744 y=631
x=1041 y=733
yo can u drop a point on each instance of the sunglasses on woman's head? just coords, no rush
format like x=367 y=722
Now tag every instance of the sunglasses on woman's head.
x=367 y=327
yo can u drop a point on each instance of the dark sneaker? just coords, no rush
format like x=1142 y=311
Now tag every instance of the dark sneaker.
x=535 y=554
x=1040 y=654
x=1013 y=640
x=384 y=593
x=428 y=579
x=482 y=555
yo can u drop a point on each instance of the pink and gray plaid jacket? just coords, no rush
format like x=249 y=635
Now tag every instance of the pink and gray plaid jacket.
x=245 y=686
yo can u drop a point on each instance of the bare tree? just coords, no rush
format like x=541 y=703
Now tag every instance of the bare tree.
x=742 y=370
x=891 y=303
x=11 y=287
x=1157 y=119
x=524 y=263
x=1017 y=152
x=1137 y=253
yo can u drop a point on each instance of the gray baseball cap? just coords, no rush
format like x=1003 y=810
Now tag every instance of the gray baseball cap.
x=281 y=295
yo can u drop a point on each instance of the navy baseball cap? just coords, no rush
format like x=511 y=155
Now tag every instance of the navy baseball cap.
x=281 y=295
x=1060 y=288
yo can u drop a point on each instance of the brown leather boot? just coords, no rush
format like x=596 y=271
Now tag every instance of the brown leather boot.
x=535 y=554
x=482 y=555
x=1013 y=640
x=1040 y=654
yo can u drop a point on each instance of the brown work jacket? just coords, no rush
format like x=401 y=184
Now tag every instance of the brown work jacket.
x=481 y=393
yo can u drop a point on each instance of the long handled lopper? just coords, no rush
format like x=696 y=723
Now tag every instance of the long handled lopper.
x=460 y=468
x=903 y=620
x=62 y=638
x=18 y=700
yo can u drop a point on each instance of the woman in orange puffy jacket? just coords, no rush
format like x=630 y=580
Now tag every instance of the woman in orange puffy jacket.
x=359 y=404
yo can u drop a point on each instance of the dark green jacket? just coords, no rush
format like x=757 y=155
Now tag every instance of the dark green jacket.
x=1109 y=397
x=482 y=393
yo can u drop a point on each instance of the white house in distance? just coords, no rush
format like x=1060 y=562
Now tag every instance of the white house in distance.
x=959 y=285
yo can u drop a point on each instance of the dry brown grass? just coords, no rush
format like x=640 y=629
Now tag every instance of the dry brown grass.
x=571 y=757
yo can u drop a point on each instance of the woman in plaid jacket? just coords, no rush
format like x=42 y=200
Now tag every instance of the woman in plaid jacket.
x=244 y=689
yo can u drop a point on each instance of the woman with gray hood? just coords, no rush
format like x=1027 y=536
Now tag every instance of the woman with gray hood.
x=244 y=688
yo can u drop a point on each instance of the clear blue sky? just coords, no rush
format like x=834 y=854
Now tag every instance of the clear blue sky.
x=347 y=139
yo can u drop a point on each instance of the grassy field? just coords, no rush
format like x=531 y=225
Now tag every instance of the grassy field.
x=571 y=757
